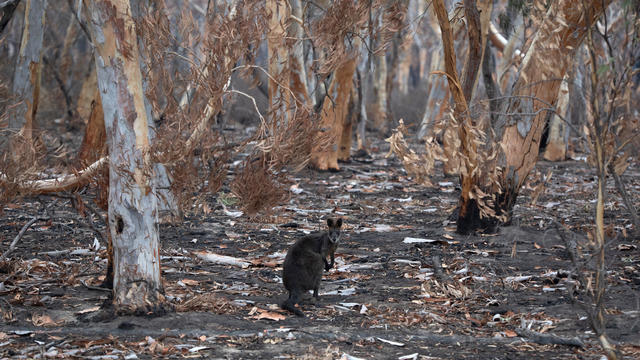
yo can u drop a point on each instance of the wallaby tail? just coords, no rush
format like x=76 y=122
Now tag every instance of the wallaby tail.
x=290 y=304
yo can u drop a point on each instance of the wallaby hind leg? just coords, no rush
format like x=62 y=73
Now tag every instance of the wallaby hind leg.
x=290 y=303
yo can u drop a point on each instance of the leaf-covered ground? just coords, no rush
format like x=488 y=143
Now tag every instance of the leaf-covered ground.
x=381 y=301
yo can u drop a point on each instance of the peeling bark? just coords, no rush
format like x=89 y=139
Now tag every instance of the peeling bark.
x=133 y=207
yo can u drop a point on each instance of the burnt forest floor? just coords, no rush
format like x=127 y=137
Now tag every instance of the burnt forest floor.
x=382 y=300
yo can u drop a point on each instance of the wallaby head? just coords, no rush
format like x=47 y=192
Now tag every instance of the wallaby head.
x=334 y=229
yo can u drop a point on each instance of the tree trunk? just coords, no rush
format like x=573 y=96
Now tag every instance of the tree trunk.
x=299 y=85
x=94 y=142
x=346 y=137
x=556 y=149
x=362 y=119
x=468 y=207
x=94 y=147
x=278 y=59
x=544 y=66
x=26 y=80
x=334 y=116
x=133 y=208
x=380 y=95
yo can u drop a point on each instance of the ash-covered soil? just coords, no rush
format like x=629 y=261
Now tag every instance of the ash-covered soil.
x=384 y=298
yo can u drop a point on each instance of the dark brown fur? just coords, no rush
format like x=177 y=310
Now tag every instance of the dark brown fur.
x=334 y=236
x=303 y=265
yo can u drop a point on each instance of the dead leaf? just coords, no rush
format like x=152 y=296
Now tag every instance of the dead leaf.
x=42 y=320
x=510 y=333
x=190 y=282
x=92 y=309
x=265 y=261
x=269 y=315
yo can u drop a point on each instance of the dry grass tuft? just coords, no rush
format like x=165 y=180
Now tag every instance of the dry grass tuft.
x=208 y=302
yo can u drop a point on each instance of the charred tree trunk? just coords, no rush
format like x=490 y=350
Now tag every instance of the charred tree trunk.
x=543 y=69
x=133 y=208
x=468 y=207
x=26 y=80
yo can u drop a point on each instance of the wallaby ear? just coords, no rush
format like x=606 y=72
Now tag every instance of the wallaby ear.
x=339 y=222
x=330 y=222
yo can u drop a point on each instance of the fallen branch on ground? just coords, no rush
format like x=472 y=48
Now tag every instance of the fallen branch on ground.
x=222 y=259
x=24 y=229
x=548 y=339
x=437 y=269
x=61 y=183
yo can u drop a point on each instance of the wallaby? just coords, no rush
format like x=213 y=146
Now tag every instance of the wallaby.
x=302 y=268
x=334 y=234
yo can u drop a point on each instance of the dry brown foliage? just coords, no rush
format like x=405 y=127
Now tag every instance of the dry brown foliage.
x=343 y=20
x=20 y=163
x=178 y=60
x=421 y=166
x=181 y=61
x=209 y=303
x=257 y=187
x=262 y=181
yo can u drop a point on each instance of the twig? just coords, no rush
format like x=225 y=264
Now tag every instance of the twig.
x=437 y=269
x=548 y=339
x=625 y=198
x=91 y=287
x=25 y=228
x=255 y=105
x=89 y=221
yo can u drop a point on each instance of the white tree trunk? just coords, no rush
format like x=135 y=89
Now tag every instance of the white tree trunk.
x=133 y=208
